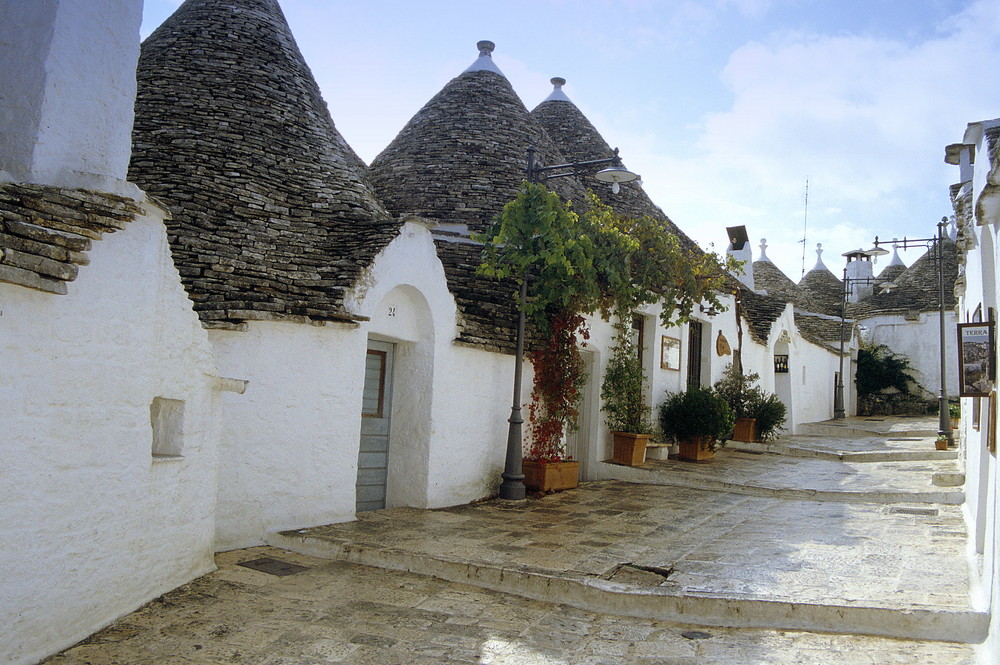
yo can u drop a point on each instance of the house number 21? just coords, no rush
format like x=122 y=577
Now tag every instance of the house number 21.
x=392 y=311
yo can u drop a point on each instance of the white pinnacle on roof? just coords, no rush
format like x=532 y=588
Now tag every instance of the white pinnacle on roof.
x=485 y=60
x=557 y=94
x=819 y=258
x=896 y=261
x=763 y=250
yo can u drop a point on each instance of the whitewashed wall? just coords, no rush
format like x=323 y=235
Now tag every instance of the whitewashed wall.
x=981 y=468
x=93 y=525
x=288 y=446
x=919 y=341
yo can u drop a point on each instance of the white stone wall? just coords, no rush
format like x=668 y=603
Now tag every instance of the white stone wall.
x=288 y=445
x=982 y=473
x=919 y=341
x=93 y=525
x=67 y=91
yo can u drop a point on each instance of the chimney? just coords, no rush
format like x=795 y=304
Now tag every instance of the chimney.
x=72 y=64
x=739 y=248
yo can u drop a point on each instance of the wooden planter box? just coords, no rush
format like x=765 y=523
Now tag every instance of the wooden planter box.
x=551 y=476
x=745 y=429
x=629 y=449
x=697 y=449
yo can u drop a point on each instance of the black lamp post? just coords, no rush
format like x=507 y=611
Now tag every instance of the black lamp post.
x=512 y=487
x=937 y=245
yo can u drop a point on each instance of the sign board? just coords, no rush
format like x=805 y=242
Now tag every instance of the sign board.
x=976 y=365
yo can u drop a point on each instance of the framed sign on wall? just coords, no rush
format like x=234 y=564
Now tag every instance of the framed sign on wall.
x=670 y=353
x=976 y=365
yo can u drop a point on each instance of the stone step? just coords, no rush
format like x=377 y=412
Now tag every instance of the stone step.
x=597 y=594
x=792 y=450
x=639 y=474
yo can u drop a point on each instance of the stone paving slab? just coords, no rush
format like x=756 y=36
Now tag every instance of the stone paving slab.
x=738 y=560
x=336 y=612
x=768 y=474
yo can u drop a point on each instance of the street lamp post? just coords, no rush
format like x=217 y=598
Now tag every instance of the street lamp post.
x=512 y=487
x=936 y=244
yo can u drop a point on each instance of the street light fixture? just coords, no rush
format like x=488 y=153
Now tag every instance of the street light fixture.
x=937 y=244
x=512 y=487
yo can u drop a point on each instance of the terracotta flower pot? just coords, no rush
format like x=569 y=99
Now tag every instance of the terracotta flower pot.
x=629 y=449
x=696 y=449
x=745 y=429
x=550 y=476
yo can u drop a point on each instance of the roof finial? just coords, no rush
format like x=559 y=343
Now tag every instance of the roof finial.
x=896 y=261
x=763 y=250
x=485 y=60
x=819 y=258
x=557 y=94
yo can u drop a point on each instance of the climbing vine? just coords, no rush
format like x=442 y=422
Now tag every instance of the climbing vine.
x=558 y=387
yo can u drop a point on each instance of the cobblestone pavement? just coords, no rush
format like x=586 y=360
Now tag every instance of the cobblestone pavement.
x=336 y=612
x=716 y=542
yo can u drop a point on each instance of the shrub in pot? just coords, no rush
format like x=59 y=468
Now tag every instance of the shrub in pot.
x=699 y=420
x=760 y=415
x=626 y=412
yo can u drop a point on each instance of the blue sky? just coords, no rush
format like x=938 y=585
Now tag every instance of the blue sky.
x=725 y=107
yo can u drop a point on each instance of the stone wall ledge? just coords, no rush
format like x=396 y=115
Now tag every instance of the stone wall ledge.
x=45 y=231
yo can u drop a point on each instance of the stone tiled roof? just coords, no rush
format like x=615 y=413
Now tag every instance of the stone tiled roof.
x=760 y=313
x=824 y=331
x=579 y=141
x=458 y=161
x=488 y=316
x=916 y=288
x=272 y=213
x=768 y=277
x=46 y=232
x=824 y=289
x=464 y=154
x=891 y=272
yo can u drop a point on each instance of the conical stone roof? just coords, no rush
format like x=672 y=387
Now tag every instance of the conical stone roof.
x=463 y=156
x=916 y=287
x=768 y=278
x=579 y=141
x=823 y=287
x=272 y=213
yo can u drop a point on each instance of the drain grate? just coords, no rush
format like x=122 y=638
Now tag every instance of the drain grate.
x=923 y=512
x=696 y=635
x=273 y=566
x=904 y=439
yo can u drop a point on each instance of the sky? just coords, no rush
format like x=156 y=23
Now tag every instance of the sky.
x=726 y=108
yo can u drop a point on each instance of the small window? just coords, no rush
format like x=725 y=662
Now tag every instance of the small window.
x=166 y=416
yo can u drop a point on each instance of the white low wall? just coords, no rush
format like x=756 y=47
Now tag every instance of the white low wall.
x=93 y=526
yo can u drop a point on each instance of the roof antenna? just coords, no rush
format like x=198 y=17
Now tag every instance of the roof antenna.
x=805 y=225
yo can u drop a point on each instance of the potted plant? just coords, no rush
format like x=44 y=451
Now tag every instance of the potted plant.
x=626 y=412
x=955 y=413
x=699 y=420
x=941 y=443
x=759 y=415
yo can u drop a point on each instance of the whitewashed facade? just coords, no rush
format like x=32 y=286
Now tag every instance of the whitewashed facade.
x=976 y=199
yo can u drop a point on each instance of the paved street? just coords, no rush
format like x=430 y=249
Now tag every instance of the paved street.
x=337 y=612
x=658 y=570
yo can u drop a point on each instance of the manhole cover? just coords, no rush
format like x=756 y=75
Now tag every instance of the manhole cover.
x=695 y=635
x=273 y=566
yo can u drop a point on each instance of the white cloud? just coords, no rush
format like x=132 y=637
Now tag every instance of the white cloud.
x=865 y=119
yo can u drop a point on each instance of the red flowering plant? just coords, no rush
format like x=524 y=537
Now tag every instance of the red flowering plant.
x=558 y=388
